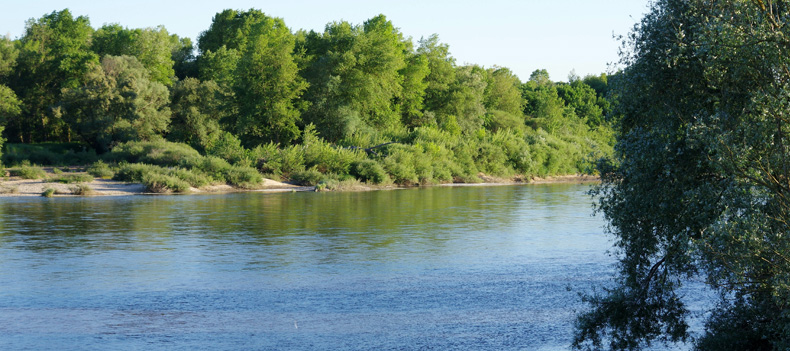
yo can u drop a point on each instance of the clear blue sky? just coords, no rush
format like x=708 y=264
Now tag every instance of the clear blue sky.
x=523 y=35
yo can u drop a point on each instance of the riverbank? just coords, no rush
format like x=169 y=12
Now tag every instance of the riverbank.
x=18 y=187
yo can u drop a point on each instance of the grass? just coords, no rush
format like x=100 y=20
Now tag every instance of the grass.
x=100 y=170
x=27 y=171
x=82 y=189
x=48 y=192
x=73 y=178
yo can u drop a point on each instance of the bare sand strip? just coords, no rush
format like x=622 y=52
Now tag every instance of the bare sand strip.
x=15 y=186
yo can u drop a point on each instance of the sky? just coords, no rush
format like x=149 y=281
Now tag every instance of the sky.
x=560 y=36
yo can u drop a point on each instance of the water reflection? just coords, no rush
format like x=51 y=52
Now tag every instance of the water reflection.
x=477 y=267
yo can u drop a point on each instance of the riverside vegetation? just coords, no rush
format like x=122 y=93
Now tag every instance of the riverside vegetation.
x=355 y=103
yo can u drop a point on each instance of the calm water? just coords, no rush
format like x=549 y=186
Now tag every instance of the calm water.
x=440 y=268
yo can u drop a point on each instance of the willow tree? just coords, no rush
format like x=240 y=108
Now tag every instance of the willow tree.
x=700 y=183
x=117 y=103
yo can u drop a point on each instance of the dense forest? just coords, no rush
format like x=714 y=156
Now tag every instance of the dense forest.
x=358 y=102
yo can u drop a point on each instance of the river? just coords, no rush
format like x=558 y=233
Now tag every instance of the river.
x=484 y=268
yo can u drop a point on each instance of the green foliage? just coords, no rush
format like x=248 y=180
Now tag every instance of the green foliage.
x=150 y=46
x=268 y=85
x=354 y=77
x=51 y=154
x=307 y=177
x=196 y=113
x=28 y=171
x=82 y=190
x=117 y=103
x=164 y=183
x=228 y=147
x=160 y=179
x=99 y=169
x=292 y=105
x=72 y=178
x=48 y=192
x=54 y=54
x=157 y=152
x=698 y=184
x=178 y=161
x=243 y=177
x=370 y=171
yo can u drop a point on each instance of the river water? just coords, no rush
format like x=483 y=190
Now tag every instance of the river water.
x=483 y=268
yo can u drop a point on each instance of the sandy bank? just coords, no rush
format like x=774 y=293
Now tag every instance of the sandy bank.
x=14 y=186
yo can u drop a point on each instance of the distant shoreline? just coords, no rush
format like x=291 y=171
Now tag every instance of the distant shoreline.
x=17 y=187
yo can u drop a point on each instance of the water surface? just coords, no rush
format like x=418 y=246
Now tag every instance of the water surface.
x=438 y=268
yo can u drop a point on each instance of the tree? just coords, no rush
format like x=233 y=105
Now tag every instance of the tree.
x=196 y=113
x=543 y=104
x=503 y=100
x=10 y=106
x=268 y=86
x=355 y=77
x=583 y=100
x=54 y=55
x=117 y=103
x=441 y=74
x=153 y=47
x=251 y=57
x=700 y=181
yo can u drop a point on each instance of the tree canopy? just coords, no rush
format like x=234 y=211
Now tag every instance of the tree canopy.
x=293 y=104
x=699 y=182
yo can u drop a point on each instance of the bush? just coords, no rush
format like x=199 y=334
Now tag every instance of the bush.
x=100 y=170
x=214 y=167
x=27 y=171
x=159 y=152
x=52 y=154
x=138 y=173
x=369 y=171
x=48 y=192
x=73 y=178
x=162 y=183
x=307 y=177
x=243 y=177
x=82 y=189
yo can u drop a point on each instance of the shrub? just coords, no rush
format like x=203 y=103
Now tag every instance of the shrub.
x=307 y=177
x=369 y=171
x=27 y=171
x=73 y=178
x=243 y=177
x=82 y=189
x=133 y=172
x=100 y=170
x=54 y=154
x=57 y=171
x=193 y=178
x=214 y=167
x=400 y=165
x=159 y=152
x=228 y=147
x=162 y=183
x=48 y=192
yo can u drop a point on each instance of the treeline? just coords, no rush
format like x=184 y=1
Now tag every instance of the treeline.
x=294 y=103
